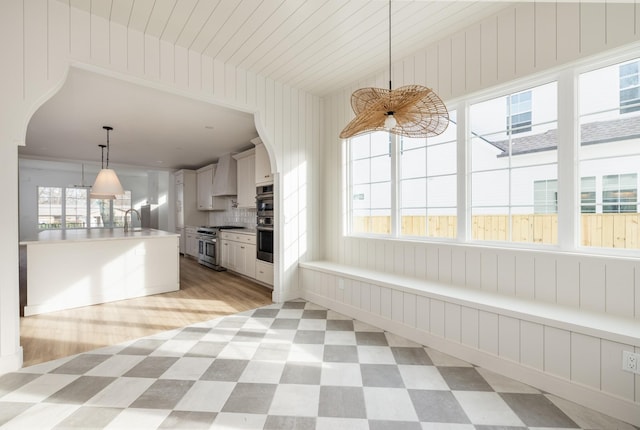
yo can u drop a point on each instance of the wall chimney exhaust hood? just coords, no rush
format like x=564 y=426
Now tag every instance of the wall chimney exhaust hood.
x=225 y=180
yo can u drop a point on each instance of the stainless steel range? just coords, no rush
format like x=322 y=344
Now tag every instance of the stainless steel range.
x=209 y=248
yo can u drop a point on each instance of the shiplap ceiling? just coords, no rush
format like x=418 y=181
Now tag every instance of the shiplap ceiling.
x=316 y=45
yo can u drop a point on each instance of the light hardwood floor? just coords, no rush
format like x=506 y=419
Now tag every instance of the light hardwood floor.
x=204 y=294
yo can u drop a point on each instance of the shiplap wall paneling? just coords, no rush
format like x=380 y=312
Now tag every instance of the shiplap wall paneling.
x=473 y=272
x=593 y=27
x=444 y=264
x=488 y=332
x=433 y=263
x=397 y=306
x=386 y=303
x=568 y=281
x=585 y=360
x=436 y=317
x=619 y=289
x=525 y=276
x=592 y=285
x=507 y=274
x=376 y=300
x=423 y=313
x=489 y=45
x=453 y=322
x=489 y=271
x=445 y=70
x=181 y=68
x=532 y=351
x=525 y=43
x=506 y=45
x=365 y=296
x=614 y=380
x=557 y=352
x=473 y=59
x=545 y=34
x=458 y=64
x=469 y=321
x=568 y=31
x=509 y=338
x=458 y=263
x=431 y=70
x=80 y=31
x=35 y=49
x=409 y=309
x=620 y=22
x=59 y=41
x=118 y=49
x=545 y=278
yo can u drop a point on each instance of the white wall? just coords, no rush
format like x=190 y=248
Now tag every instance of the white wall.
x=40 y=40
x=518 y=42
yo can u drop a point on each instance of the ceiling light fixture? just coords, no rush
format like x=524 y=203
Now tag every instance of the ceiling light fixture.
x=411 y=111
x=107 y=184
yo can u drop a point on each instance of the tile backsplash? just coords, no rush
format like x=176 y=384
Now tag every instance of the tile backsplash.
x=244 y=217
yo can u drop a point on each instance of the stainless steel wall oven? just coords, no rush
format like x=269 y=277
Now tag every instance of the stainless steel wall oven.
x=264 y=212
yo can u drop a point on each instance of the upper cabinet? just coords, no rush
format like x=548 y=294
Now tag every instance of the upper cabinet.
x=246 y=179
x=206 y=200
x=263 y=167
x=225 y=177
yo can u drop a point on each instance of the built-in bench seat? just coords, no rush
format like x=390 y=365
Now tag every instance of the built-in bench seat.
x=590 y=323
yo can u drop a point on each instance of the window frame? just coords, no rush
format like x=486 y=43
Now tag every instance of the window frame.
x=570 y=206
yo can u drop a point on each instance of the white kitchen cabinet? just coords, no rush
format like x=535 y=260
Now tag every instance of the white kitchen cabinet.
x=264 y=272
x=191 y=242
x=246 y=179
x=263 y=166
x=186 y=206
x=206 y=202
x=239 y=252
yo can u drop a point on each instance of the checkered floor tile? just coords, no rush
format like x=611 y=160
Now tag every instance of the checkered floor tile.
x=285 y=366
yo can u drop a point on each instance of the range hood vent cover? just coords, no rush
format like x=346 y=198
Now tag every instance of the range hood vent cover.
x=225 y=181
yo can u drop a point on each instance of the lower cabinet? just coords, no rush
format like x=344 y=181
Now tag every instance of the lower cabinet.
x=264 y=272
x=191 y=245
x=239 y=253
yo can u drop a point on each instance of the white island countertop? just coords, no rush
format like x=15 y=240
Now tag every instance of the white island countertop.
x=83 y=235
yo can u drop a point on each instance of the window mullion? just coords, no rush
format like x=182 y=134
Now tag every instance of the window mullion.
x=395 y=185
x=569 y=208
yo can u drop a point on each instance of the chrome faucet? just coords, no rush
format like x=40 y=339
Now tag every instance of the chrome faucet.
x=126 y=225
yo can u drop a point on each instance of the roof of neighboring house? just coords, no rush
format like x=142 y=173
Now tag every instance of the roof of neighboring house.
x=591 y=133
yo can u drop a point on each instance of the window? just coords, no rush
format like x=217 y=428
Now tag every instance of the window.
x=545 y=196
x=620 y=193
x=519 y=112
x=629 y=87
x=609 y=156
x=427 y=177
x=588 y=195
x=402 y=186
x=370 y=184
x=505 y=169
x=49 y=207
x=71 y=208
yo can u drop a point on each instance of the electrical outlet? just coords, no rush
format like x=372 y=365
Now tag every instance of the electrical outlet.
x=630 y=362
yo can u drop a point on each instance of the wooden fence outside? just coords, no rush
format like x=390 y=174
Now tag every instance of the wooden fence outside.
x=599 y=230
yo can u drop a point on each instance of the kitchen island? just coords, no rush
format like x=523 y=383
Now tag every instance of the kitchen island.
x=73 y=268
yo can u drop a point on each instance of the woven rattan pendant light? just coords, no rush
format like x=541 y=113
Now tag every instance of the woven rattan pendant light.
x=411 y=111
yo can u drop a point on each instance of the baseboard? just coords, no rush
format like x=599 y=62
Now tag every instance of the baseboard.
x=616 y=407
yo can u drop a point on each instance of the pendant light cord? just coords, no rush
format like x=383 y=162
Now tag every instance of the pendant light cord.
x=389 y=45
x=107 y=148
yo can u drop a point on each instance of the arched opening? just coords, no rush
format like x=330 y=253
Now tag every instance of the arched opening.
x=156 y=133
